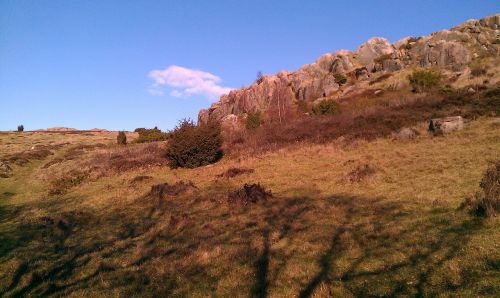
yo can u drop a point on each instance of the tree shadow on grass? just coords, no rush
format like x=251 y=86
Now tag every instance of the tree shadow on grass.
x=354 y=231
x=386 y=230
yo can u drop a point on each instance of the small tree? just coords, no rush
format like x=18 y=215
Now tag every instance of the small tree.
x=191 y=146
x=424 y=80
x=20 y=128
x=326 y=107
x=253 y=120
x=121 y=139
x=340 y=79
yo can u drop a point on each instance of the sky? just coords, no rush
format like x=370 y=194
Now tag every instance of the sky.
x=125 y=64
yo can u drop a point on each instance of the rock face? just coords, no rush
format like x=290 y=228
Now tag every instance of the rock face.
x=450 y=50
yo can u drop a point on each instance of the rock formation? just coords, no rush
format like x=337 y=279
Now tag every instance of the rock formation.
x=450 y=50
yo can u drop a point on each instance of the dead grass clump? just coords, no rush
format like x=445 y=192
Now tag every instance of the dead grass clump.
x=140 y=178
x=233 y=172
x=486 y=204
x=249 y=193
x=61 y=185
x=360 y=173
x=163 y=190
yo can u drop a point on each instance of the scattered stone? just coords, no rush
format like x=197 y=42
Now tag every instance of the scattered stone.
x=249 y=193
x=446 y=125
x=471 y=90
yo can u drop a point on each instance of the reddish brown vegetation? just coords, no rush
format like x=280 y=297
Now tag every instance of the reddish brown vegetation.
x=378 y=121
x=137 y=156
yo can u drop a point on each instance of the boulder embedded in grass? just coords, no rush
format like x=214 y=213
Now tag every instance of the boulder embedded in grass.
x=249 y=193
x=446 y=125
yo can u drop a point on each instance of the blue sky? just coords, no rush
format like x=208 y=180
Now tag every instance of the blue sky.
x=127 y=64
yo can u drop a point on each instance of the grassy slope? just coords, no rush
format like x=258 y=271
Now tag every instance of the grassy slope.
x=396 y=232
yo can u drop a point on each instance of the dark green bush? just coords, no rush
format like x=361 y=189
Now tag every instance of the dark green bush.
x=150 y=135
x=326 y=107
x=192 y=146
x=253 y=120
x=121 y=138
x=340 y=79
x=20 y=128
x=424 y=80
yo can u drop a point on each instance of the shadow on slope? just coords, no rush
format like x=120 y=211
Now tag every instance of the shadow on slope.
x=190 y=245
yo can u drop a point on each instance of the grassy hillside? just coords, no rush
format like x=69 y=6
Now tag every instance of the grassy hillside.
x=347 y=218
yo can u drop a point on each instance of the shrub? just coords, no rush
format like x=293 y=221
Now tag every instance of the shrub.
x=424 y=80
x=326 y=107
x=192 y=146
x=20 y=128
x=340 y=79
x=253 y=120
x=249 y=193
x=488 y=203
x=150 y=135
x=121 y=138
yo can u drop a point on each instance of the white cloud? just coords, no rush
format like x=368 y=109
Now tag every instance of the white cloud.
x=186 y=82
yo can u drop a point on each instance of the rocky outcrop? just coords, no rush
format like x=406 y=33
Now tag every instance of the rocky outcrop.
x=445 y=125
x=450 y=50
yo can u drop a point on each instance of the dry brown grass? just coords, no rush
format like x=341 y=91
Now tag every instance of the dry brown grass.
x=397 y=233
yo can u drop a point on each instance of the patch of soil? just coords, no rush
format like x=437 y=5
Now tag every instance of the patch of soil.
x=249 y=193
x=233 y=172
